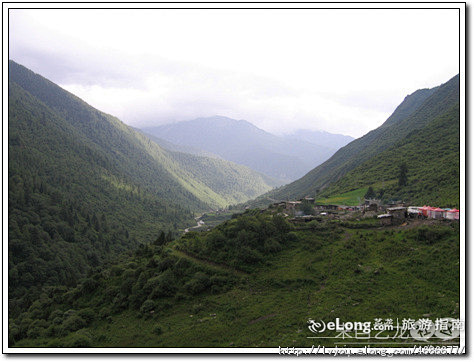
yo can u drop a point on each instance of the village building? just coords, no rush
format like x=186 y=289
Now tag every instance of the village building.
x=367 y=202
x=397 y=212
x=414 y=212
x=291 y=205
x=449 y=215
x=430 y=212
x=452 y=214
x=371 y=207
x=437 y=213
x=385 y=219
x=424 y=210
x=278 y=204
x=395 y=203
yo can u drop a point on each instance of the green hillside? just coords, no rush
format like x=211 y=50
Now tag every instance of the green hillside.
x=414 y=113
x=432 y=159
x=254 y=281
x=84 y=187
x=231 y=182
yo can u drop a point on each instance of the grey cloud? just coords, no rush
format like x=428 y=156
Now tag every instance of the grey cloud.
x=70 y=67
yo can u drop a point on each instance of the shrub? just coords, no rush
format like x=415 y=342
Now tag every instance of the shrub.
x=13 y=333
x=291 y=237
x=128 y=273
x=52 y=330
x=157 y=330
x=271 y=246
x=54 y=343
x=73 y=323
x=79 y=341
x=127 y=285
x=104 y=312
x=37 y=328
x=196 y=308
x=181 y=266
x=116 y=270
x=430 y=235
x=55 y=315
x=87 y=314
x=197 y=284
x=166 y=285
x=132 y=265
x=89 y=285
x=57 y=321
x=250 y=256
x=69 y=312
x=147 y=306
x=220 y=283
x=165 y=263
x=119 y=303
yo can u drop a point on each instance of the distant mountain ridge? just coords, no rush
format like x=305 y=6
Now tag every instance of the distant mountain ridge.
x=321 y=138
x=420 y=112
x=178 y=148
x=283 y=158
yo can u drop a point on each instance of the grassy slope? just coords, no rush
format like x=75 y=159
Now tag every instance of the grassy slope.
x=416 y=111
x=350 y=198
x=352 y=272
x=432 y=157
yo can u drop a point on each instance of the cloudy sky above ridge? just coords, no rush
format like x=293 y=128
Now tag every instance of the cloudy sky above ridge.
x=342 y=71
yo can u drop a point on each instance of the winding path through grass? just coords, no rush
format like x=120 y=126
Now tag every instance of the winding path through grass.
x=207 y=263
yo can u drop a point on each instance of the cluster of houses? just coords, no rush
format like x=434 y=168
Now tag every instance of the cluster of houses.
x=394 y=212
x=425 y=212
x=294 y=205
x=434 y=212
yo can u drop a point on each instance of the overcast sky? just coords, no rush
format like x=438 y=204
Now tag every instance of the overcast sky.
x=342 y=71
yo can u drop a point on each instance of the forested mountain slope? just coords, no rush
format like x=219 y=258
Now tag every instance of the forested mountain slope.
x=83 y=186
x=416 y=112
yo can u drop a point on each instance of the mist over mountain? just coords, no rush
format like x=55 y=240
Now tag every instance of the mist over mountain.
x=283 y=158
x=178 y=148
x=321 y=138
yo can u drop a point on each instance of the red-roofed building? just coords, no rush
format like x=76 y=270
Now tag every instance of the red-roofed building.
x=424 y=210
x=452 y=214
x=437 y=213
